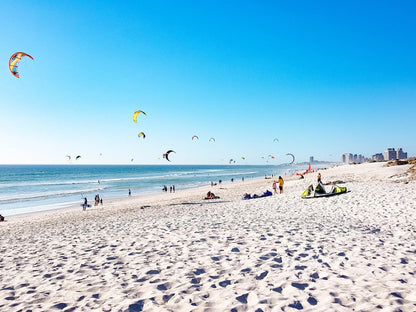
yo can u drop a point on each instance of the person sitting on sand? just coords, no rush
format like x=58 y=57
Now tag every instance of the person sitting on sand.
x=1 y=218
x=211 y=195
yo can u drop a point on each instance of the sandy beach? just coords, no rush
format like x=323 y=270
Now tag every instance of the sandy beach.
x=178 y=252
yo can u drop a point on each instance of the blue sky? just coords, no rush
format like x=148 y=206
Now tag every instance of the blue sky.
x=323 y=77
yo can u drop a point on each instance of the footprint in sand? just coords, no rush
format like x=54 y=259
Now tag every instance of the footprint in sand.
x=300 y=286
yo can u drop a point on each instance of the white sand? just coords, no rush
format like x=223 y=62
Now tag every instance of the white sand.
x=355 y=251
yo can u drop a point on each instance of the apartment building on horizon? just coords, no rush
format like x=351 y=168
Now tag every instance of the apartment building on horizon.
x=391 y=154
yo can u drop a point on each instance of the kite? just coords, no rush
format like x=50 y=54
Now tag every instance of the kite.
x=166 y=155
x=195 y=137
x=136 y=113
x=232 y=161
x=132 y=159
x=14 y=62
x=78 y=157
x=293 y=158
x=305 y=172
x=69 y=157
x=141 y=134
x=276 y=140
x=243 y=158
x=211 y=140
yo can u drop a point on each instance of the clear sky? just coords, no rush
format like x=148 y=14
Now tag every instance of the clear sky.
x=324 y=77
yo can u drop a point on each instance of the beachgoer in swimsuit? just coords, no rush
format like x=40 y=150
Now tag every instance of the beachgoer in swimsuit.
x=280 y=181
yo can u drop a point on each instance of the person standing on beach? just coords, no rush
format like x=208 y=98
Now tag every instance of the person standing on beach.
x=319 y=177
x=129 y=192
x=84 y=207
x=280 y=181
x=275 y=187
x=173 y=188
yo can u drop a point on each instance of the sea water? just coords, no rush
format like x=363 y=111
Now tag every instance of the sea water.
x=31 y=188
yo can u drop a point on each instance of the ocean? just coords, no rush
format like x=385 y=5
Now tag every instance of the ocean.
x=31 y=188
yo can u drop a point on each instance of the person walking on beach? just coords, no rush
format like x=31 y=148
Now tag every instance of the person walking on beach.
x=280 y=182
x=275 y=187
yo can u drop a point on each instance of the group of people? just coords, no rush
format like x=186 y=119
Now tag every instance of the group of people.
x=171 y=188
x=98 y=200
x=280 y=182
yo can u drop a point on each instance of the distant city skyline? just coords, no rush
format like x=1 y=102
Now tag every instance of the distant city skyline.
x=389 y=154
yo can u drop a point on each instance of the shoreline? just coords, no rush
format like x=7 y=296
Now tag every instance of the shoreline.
x=111 y=191
x=147 y=194
x=147 y=199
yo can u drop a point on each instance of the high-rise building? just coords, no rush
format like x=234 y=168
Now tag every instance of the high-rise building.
x=311 y=159
x=390 y=154
x=347 y=158
x=400 y=154
x=378 y=157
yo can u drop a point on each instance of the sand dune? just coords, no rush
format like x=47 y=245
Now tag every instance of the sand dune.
x=178 y=252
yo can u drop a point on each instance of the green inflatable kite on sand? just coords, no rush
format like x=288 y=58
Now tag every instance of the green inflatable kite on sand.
x=321 y=192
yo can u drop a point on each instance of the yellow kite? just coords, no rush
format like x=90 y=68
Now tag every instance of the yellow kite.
x=136 y=113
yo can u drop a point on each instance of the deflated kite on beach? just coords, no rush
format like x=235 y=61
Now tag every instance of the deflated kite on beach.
x=321 y=192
